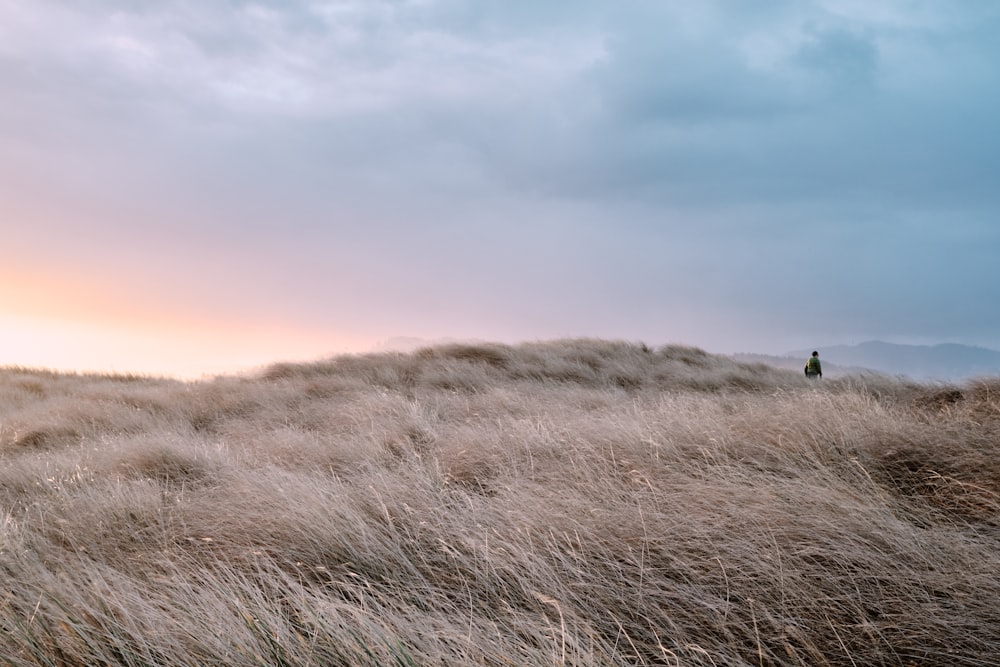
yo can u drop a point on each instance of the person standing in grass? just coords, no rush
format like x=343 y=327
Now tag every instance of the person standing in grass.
x=813 y=368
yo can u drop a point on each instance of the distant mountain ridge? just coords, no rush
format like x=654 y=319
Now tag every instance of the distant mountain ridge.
x=945 y=361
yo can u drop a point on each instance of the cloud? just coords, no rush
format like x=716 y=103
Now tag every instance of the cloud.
x=531 y=168
x=847 y=59
x=687 y=104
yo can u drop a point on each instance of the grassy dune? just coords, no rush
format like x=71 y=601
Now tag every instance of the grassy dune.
x=568 y=503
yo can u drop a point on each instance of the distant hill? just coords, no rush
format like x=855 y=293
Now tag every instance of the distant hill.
x=795 y=363
x=406 y=344
x=946 y=361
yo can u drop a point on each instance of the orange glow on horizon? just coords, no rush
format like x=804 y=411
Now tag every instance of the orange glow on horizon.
x=79 y=298
x=80 y=326
x=96 y=347
x=187 y=354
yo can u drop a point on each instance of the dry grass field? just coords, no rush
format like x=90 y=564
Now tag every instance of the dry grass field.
x=574 y=502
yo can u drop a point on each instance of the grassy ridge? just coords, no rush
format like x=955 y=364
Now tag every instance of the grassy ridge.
x=577 y=502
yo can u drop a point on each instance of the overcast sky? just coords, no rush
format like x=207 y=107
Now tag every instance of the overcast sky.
x=202 y=185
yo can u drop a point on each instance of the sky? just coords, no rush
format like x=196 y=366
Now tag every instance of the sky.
x=191 y=187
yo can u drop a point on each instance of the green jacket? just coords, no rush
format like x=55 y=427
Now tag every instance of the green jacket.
x=813 y=367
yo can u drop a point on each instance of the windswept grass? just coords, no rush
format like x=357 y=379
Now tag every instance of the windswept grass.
x=577 y=502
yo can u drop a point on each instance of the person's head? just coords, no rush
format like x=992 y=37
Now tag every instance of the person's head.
x=815 y=353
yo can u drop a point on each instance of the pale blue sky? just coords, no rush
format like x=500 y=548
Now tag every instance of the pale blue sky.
x=741 y=176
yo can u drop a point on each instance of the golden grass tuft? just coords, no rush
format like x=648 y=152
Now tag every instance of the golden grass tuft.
x=574 y=502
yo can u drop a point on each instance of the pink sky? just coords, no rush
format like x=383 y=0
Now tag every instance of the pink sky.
x=69 y=323
x=190 y=188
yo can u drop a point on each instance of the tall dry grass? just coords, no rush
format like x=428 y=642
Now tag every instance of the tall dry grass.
x=577 y=502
